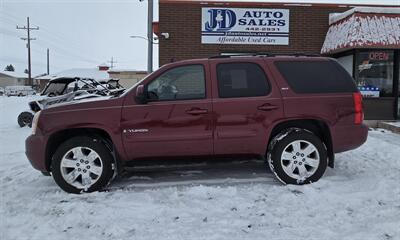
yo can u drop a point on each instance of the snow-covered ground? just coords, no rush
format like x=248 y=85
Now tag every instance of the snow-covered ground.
x=396 y=124
x=359 y=199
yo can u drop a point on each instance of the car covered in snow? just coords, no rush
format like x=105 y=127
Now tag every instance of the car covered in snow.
x=295 y=112
x=19 y=91
x=63 y=85
x=66 y=89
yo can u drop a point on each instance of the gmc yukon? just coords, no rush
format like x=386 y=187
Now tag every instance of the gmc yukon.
x=296 y=112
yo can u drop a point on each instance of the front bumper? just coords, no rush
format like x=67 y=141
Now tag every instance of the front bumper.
x=35 y=146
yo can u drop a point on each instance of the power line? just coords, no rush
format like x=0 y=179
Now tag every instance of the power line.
x=63 y=51
x=28 y=45
x=57 y=40
x=3 y=18
x=7 y=32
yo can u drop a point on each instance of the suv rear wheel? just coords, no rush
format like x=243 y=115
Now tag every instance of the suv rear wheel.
x=298 y=158
x=82 y=164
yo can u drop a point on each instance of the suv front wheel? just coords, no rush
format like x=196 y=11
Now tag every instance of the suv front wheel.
x=298 y=158
x=82 y=164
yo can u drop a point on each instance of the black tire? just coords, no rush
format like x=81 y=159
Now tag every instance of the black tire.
x=275 y=158
x=47 y=174
x=83 y=141
x=25 y=119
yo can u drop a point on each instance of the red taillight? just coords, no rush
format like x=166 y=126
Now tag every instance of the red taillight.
x=358 y=108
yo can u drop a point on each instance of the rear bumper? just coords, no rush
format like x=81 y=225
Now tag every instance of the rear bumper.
x=345 y=138
x=35 y=152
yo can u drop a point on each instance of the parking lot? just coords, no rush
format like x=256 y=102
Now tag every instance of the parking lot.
x=359 y=199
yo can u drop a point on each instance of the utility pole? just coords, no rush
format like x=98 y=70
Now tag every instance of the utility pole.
x=112 y=62
x=28 y=45
x=150 y=36
x=48 y=62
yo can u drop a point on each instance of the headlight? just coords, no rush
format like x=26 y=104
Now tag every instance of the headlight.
x=35 y=122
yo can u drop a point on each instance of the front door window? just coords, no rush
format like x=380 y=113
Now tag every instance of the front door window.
x=180 y=83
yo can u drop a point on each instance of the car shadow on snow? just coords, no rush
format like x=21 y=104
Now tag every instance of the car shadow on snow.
x=194 y=173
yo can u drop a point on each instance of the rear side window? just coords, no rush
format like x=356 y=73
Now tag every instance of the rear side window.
x=241 y=80
x=316 y=76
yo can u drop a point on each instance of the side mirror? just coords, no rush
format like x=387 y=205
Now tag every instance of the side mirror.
x=140 y=95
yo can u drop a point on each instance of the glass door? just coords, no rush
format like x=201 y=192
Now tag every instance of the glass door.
x=374 y=78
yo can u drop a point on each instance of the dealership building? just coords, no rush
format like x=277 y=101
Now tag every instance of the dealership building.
x=364 y=39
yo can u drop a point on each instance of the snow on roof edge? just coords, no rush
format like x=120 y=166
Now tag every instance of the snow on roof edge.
x=78 y=72
x=312 y=2
x=335 y=17
x=125 y=70
x=14 y=74
x=359 y=31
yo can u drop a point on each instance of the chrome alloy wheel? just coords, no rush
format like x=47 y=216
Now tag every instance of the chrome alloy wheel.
x=81 y=167
x=300 y=159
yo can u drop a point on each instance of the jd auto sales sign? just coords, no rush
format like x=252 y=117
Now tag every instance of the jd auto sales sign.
x=245 y=26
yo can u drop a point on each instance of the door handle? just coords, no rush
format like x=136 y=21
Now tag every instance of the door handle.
x=267 y=107
x=196 y=111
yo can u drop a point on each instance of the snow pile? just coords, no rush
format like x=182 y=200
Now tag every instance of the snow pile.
x=359 y=199
x=396 y=124
x=335 y=17
x=363 y=30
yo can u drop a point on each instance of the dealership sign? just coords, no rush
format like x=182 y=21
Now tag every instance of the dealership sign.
x=245 y=26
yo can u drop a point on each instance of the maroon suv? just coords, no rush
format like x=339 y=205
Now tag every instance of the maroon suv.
x=295 y=111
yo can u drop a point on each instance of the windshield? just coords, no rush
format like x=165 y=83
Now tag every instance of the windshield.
x=56 y=88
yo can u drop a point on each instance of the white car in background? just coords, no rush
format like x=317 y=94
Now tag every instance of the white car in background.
x=19 y=91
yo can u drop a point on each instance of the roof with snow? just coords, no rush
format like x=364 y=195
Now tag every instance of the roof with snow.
x=93 y=73
x=14 y=74
x=120 y=70
x=292 y=2
x=363 y=27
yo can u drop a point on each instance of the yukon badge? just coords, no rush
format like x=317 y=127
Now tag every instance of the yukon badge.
x=141 y=130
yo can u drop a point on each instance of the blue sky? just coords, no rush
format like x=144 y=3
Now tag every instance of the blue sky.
x=85 y=33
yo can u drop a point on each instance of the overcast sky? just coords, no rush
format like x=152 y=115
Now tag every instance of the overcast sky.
x=85 y=33
x=79 y=34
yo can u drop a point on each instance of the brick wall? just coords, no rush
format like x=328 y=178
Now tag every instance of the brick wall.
x=308 y=27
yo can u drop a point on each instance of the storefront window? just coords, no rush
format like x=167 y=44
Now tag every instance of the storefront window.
x=398 y=99
x=375 y=73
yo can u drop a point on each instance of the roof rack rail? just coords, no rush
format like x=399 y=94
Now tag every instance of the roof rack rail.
x=242 y=55
x=266 y=54
x=300 y=54
x=219 y=56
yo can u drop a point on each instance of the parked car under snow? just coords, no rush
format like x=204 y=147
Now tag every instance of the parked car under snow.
x=66 y=89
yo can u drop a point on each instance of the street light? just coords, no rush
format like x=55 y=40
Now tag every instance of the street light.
x=149 y=35
x=152 y=41
x=149 y=53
